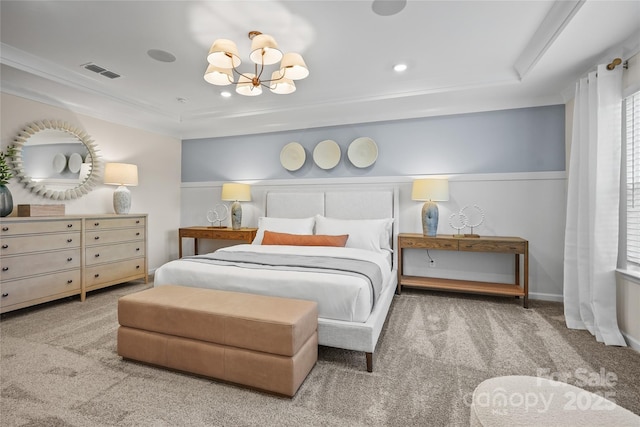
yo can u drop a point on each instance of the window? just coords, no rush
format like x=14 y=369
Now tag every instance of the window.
x=632 y=165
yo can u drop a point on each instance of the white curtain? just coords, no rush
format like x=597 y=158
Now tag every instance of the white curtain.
x=591 y=234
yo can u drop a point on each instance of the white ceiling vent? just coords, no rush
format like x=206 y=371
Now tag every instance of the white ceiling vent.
x=100 y=70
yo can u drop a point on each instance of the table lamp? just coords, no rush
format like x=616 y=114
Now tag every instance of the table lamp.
x=430 y=190
x=236 y=192
x=122 y=175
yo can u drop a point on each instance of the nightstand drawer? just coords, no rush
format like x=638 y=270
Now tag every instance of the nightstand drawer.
x=427 y=243
x=490 y=246
x=108 y=253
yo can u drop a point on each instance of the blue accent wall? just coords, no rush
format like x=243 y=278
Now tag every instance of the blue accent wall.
x=505 y=141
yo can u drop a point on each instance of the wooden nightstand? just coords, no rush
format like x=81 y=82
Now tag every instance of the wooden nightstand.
x=246 y=235
x=507 y=245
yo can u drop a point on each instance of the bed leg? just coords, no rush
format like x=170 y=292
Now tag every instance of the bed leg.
x=369 y=362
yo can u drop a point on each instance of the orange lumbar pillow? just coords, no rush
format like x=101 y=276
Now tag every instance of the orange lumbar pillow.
x=273 y=238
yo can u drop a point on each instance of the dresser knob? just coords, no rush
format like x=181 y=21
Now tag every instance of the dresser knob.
x=137 y=267
x=96 y=275
x=69 y=259
x=5 y=246
x=69 y=225
x=96 y=224
x=97 y=238
x=137 y=234
x=5 y=228
x=5 y=268
x=97 y=255
x=69 y=240
x=69 y=281
x=138 y=221
x=4 y=295
x=137 y=249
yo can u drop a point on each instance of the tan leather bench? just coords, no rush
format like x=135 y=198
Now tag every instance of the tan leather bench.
x=262 y=342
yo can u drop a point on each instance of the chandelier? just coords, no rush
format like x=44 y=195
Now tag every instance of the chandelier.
x=224 y=60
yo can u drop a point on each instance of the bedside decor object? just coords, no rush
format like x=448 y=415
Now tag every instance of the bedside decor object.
x=362 y=152
x=224 y=59
x=430 y=190
x=6 y=200
x=292 y=156
x=218 y=214
x=40 y=210
x=326 y=155
x=473 y=217
x=40 y=134
x=457 y=221
x=236 y=192
x=122 y=175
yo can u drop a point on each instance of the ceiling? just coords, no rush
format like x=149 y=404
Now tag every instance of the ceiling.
x=462 y=56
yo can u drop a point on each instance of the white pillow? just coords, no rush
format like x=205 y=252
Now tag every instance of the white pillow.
x=370 y=234
x=283 y=225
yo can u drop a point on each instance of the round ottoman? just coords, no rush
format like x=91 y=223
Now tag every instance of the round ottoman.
x=534 y=401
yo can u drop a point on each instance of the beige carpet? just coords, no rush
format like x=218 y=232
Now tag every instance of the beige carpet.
x=59 y=367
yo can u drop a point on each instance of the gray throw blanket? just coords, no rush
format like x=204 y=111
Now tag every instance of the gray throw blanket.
x=332 y=265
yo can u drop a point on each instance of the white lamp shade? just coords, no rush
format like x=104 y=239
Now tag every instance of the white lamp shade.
x=121 y=174
x=224 y=54
x=218 y=76
x=293 y=66
x=264 y=50
x=435 y=190
x=232 y=191
x=281 y=86
x=245 y=86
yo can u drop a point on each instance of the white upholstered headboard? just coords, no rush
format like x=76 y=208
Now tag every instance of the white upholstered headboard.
x=343 y=204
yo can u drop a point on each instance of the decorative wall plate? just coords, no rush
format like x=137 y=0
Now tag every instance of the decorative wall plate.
x=292 y=156
x=75 y=162
x=326 y=154
x=59 y=162
x=363 y=152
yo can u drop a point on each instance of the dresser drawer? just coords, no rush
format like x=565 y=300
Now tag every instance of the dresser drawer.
x=36 y=243
x=14 y=267
x=108 y=223
x=99 y=274
x=108 y=253
x=489 y=246
x=37 y=227
x=41 y=287
x=426 y=243
x=114 y=236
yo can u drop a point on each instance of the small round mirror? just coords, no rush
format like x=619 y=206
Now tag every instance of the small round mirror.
x=56 y=160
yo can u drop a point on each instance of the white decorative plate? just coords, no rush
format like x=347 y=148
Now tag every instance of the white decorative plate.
x=363 y=152
x=59 y=162
x=75 y=162
x=326 y=154
x=292 y=156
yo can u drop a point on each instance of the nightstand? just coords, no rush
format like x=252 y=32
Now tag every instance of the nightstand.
x=495 y=244
x=245 y=235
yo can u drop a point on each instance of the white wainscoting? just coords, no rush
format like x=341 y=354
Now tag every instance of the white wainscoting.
x=528 y=205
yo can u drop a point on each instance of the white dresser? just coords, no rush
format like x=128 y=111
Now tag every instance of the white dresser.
x=47 y=258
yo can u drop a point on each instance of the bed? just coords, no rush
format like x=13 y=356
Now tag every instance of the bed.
x=353 y=285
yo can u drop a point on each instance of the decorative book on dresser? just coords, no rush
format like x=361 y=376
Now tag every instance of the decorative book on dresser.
x=47 y=258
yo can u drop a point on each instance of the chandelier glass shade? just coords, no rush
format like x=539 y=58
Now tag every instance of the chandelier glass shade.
x=224 y=60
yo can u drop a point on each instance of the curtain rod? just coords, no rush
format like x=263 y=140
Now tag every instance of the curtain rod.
x=617 y=61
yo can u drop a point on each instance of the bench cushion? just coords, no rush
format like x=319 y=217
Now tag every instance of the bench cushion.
x=267 y=324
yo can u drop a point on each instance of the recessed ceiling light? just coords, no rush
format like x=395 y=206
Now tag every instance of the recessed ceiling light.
x=225 y=94
x=388 y=7
x=400 y=67
x=161 y=55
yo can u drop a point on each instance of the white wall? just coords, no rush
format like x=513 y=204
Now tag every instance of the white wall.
x=527 y=205
x=157 y=157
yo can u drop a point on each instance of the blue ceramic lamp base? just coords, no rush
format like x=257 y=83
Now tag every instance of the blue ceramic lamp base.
x=430 y=219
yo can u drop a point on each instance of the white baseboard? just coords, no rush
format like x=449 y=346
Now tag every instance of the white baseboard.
x=632 y=342
x=546 y=297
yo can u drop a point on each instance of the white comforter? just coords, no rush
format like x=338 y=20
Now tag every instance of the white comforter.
x=339 y=297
